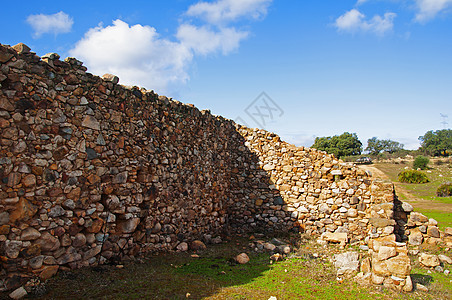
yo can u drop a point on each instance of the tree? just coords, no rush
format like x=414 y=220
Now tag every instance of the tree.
x=339 y=145
x=437 y=143
x=376 y=146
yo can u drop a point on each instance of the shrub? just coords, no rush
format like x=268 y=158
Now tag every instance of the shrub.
x=421 y=162
x=444 y=190
x=413 y=176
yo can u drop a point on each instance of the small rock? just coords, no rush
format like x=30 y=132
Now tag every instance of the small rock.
x=276 y=257
x=439 y=269
x=242 y=258
x=12 y=248
x=433 y=231
x=445 y=259
x=79 y=240
x=111 y=78
x=448 y=230
x=4 y=218
x=408 y=287
x=407 y=207
x=364 y=247
x=386 y=252
x=130 y=225
x=30 y=234
x=91 y=122
x=336 y=237
x=346 y=263
x=428 y=260
x=182 y=247
x=36 y=262
x=56 y=211
x=21 y=48
x=415 y=238
x=18 y=293
x=51 y=56
x=421 y=287
x=269 y=246
x=197 y=245
x=377 y=279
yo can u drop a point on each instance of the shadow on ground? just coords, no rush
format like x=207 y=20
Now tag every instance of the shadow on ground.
x=169 y=276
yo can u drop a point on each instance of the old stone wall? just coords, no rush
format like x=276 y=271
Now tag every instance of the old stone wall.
x=92 y=171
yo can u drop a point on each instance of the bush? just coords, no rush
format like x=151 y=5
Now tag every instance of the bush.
x=421 y=162
x=444 y=190
x=413 y=176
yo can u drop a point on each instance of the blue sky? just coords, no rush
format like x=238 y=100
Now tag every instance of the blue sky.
x=374 y=67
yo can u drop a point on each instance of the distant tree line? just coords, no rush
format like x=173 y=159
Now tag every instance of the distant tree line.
x=434 y=143
x=437 y=143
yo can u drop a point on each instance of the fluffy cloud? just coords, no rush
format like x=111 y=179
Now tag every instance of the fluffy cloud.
x=139 y=56
x=56 y=23
x=355 y=21
x=428 y=9
x=136 y=54
x=204 y=40
x=223 y=11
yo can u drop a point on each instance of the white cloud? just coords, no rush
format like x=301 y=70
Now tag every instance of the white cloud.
x=139 y=56
x=222 y=11
x=204 y=40
x=136 y=54
x=355 y=21
x=428 y=9
x=56 y=23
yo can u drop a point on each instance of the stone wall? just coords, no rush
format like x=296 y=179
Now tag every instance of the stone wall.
x=92 y=171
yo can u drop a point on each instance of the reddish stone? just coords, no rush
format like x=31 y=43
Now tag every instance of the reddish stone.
x=37 y=170
x=96 y=226
x=59 y=231
x=121 y=142
x=29 y=180
x=74 y=194
x=32 y=251
x=197 y=245
x=93 y=179
x=14 y=179
x=48 y=242
x=71 y=79
x=74 y=229
x=4 y=229
x=48 y=271
x=55 y=192
x=109 y=189
x=102 y=89
x=23 y=212
x=4 y=123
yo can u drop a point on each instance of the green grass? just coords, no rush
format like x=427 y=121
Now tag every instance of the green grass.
x=425 y=191
x=437 y=174
x=439 y=284
x=444 y=218
x=214 y=276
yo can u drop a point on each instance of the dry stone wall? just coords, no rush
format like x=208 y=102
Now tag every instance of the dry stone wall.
x=92 y=171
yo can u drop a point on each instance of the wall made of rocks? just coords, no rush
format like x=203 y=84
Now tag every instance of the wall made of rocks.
x=92 y=171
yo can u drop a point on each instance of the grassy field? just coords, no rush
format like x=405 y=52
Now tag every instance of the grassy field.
x=308 y=274
x=423 y=196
